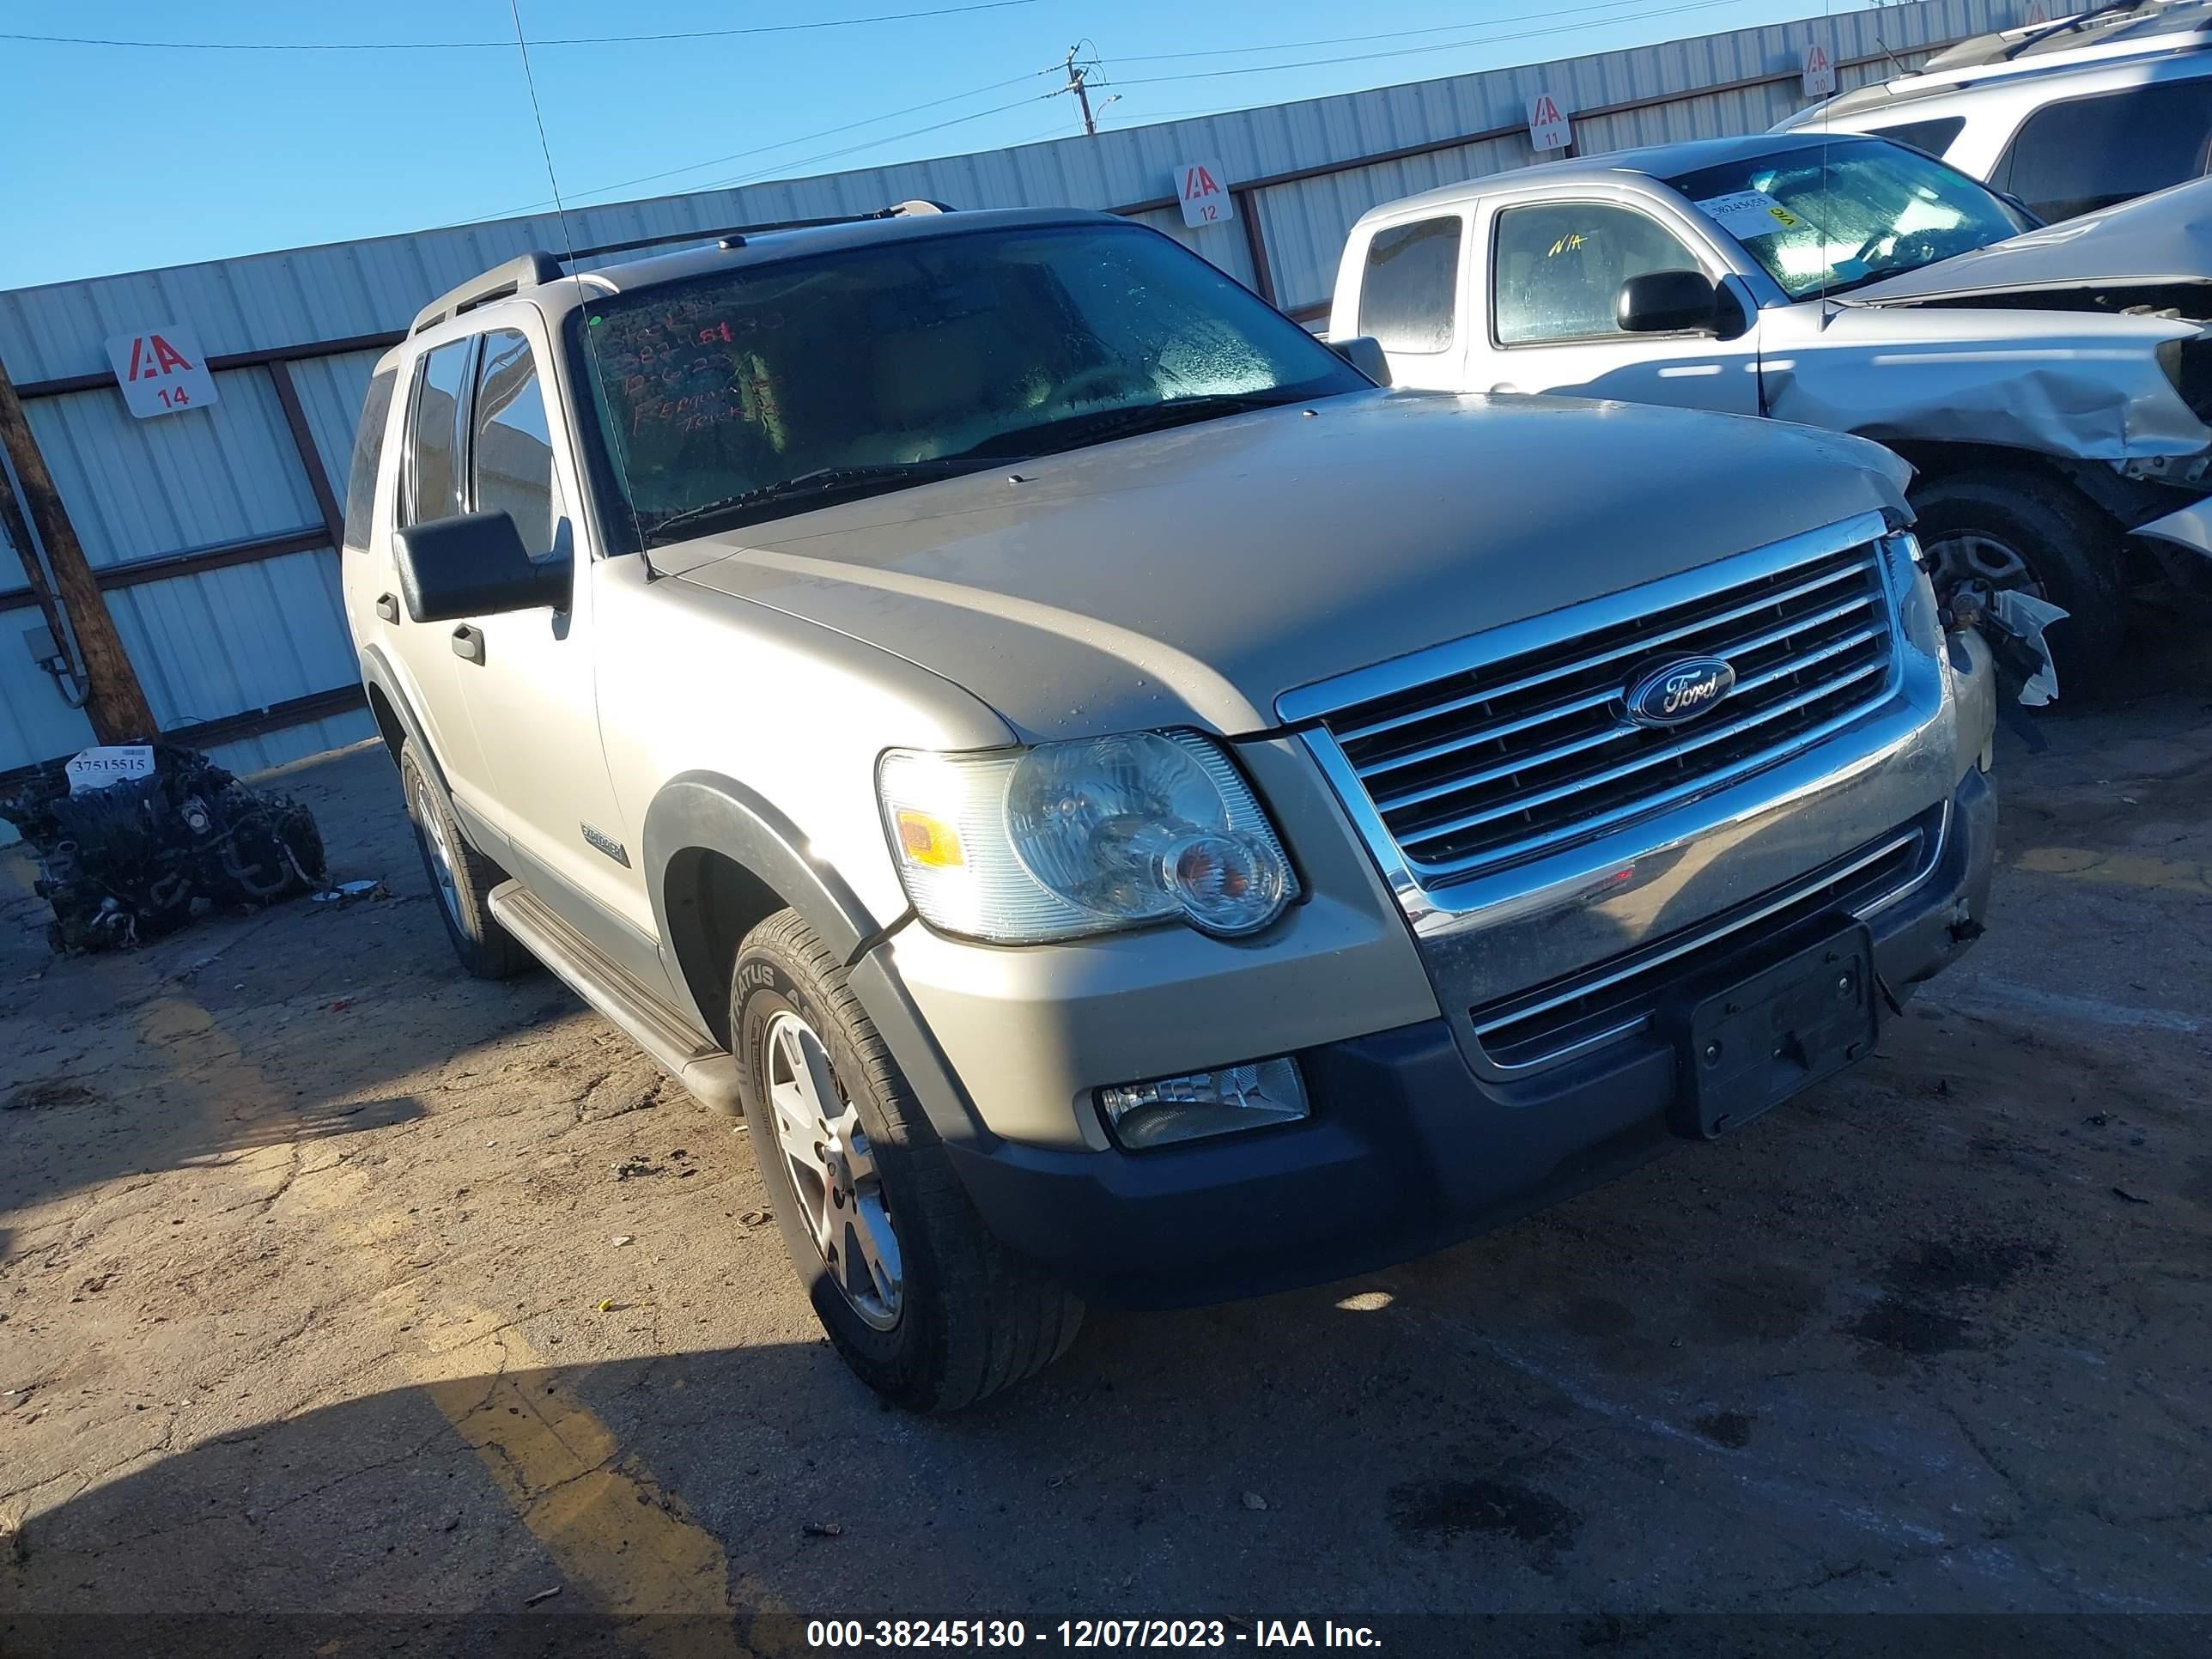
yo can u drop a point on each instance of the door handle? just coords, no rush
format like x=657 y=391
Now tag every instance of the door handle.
x=388 y=607
x=468 y=643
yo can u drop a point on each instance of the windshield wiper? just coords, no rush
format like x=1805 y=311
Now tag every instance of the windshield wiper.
x=1073 y=431
x=821 y=480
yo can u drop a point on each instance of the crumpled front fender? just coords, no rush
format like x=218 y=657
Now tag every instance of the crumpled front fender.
x=2068 y=384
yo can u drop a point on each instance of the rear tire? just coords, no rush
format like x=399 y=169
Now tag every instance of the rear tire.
x=461 y=878
x=927 y=1307
x=2018 y=528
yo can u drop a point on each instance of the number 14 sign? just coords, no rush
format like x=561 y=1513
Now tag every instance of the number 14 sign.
x=161 y=371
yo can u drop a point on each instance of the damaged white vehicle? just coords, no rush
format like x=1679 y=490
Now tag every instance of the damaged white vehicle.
x=2051 y=385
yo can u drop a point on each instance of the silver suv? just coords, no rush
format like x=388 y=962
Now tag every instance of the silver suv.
x=1125 y=807
x=2067 y=117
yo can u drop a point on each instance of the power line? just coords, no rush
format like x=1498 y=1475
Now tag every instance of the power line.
x=501 y=45
x=1388 y=34
x=783 y=143
x=1414 y=51
x=793 y=166
x=888 y=138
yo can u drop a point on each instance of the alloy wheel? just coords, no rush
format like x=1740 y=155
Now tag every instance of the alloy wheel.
x=831 y=1166
x=431 y=826
x=1968 y=556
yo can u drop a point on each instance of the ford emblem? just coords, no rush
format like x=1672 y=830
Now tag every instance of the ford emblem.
x=1679 y=691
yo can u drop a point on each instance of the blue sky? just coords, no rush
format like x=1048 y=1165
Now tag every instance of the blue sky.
x=122 y=159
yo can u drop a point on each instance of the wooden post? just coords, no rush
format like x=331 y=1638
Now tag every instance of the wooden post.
x=116 y=704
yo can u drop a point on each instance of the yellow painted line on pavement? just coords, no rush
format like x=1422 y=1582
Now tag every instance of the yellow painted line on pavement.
x=626 y=1545
x=617 y=1534
x=2119 y=869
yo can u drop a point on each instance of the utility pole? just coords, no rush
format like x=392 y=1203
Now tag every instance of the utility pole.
x=1082 y=93
x=116 y=704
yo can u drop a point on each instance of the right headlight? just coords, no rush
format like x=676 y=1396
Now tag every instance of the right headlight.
x=1066 y=839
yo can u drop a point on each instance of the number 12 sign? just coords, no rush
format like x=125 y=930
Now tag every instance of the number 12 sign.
x=161 y=371
x=1204 y=188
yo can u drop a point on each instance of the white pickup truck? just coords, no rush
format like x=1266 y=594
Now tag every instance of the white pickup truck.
x=2047 y=385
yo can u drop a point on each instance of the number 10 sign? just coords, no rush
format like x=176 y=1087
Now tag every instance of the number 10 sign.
x=161 y=371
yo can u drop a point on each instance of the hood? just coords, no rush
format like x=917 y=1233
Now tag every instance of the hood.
x=2155 y=250
x=1190 y=577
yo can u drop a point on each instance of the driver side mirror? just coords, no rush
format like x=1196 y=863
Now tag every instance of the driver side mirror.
x=474 y=565
x=1364 y=353
x=1668 y=302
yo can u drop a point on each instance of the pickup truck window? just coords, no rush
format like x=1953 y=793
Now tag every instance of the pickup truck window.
x=1849 y=213
x=1556 y=268
x=2089 y=152
x=433 y=461
x=368 y=457
x=511 y=460
x=1409 y=291
x=755 y=391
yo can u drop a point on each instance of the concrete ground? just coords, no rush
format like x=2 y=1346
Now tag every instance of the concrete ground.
x=336 y=1286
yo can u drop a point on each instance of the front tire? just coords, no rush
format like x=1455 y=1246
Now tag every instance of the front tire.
x=925 y=1306
x=461 y=878
x=2020 y=529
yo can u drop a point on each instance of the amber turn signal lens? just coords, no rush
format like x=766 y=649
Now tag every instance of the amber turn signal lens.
x=927 y=841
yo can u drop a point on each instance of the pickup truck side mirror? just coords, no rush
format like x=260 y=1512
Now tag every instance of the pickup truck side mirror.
x=474 y=565
x=1364 y=353
x=1668 y=302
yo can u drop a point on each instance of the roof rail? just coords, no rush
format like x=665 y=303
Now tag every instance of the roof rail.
x=524 y=270
x=536 y=267
x=737 y=235
x=2115 y=28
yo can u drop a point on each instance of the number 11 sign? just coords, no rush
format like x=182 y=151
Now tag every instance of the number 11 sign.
x=160 y=372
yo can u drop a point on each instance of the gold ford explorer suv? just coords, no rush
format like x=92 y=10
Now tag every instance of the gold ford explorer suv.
x=1127 y=807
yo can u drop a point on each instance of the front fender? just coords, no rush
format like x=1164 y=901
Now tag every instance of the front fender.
x=2065 y=383
x=706 y=810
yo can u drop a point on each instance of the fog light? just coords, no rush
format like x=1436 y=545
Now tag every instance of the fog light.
x=1199 y=1104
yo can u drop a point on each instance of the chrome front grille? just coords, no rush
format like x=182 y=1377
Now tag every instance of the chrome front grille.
x=1528 y=746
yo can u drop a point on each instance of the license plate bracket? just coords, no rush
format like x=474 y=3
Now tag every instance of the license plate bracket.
x=1751 y=1044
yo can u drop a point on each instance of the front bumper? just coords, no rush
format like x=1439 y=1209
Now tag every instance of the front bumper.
x=1408 y=1149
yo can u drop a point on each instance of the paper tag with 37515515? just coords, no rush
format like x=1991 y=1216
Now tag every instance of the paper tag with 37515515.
x=95 y=769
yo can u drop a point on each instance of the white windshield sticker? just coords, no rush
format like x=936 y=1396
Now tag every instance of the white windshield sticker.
x=1746 y=213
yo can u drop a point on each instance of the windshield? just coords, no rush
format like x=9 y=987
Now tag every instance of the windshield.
x=1827 y=220
x=744 y=393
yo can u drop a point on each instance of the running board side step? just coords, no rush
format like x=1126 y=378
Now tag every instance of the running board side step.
x=647 y=1020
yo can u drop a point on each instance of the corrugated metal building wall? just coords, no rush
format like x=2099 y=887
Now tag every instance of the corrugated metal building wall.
x=214 y=530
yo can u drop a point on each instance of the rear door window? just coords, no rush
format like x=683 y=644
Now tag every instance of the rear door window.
x=368 y=459
x=1409 y=293
x=2090 y=153
x=511 y=459
x=433 y=437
